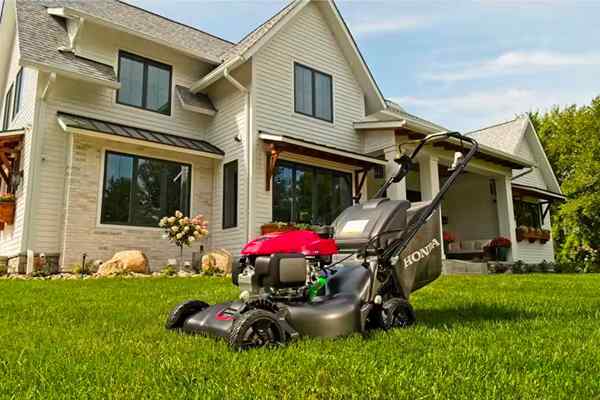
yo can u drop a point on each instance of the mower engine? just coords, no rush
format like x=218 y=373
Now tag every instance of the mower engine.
x=284 y=265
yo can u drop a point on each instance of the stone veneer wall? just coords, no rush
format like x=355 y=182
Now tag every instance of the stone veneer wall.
x=82 y=232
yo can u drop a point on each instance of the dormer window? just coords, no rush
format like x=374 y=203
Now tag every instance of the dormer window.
x=313 y=93
x=145 y=83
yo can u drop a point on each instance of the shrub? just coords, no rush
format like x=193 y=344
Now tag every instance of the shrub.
x=169 y=270
x=518 y=267
x=89 y=268
x=3 y=269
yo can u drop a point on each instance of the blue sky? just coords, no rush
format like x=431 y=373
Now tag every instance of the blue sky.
x=463 y=65
x=460 y=64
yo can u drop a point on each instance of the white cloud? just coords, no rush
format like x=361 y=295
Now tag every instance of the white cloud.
x=516 y=62
x=380 y=26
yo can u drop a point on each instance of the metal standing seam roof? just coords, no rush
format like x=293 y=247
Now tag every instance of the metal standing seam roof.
x=112 y=128
x=198 y=100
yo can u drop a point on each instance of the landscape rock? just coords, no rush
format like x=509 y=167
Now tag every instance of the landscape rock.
x=217 y=261
x=124 y=262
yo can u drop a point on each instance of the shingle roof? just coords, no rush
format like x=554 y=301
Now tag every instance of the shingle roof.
x=202 y=44
x=111 y=128
x=250 y=39
x=505 y=136
x=40 y=46
x=197 y=100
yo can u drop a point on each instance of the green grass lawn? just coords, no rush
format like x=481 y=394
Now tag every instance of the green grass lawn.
x=508 y=336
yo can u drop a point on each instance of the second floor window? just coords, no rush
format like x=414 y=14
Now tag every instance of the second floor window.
x=7 y=103
x=144 y=83
x=313 y=93
x=18 y=93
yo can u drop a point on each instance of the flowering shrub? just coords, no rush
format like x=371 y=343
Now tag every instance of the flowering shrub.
x=184 y=231
x=500 y=242
x=7 y=197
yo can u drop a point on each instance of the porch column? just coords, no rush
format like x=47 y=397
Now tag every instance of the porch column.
x=398 y=190
x=506 y=216
x=429 y=178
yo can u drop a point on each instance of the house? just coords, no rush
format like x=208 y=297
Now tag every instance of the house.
x=114 y=117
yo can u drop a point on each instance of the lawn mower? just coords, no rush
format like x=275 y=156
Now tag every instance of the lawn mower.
x=353 y=276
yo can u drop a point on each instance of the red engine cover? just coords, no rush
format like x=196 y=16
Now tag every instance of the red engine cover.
x=305 y=242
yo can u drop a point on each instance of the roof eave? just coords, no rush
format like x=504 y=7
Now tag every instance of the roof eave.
x=67 y=12
x=70 y=74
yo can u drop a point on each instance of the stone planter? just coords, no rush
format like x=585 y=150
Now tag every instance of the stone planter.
x=7 y=212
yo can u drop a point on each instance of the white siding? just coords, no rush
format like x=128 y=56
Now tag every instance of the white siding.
x=229 y=122
x=533 y=252
x=11 y=236
x=89 y=100
x=307 y=40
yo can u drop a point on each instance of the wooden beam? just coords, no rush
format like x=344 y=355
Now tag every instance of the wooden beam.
x=272 y=157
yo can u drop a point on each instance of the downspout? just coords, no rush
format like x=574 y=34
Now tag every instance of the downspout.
x=528 y=171
x=249 y=153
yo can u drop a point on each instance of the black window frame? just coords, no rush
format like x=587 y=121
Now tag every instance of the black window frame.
x=7 y=108
x=18 y=86
x=314 y=169
x=517 y=206
x=313 y=91
x=146 y=62
x=132 y=188
x=230 y=221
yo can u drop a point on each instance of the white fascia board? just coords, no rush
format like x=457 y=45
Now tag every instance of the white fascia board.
x=545 y=161
x=216 y=74
x=325 y=149
x=107 y=136
x=69 y=74
x=67 y=12
x=369 y=125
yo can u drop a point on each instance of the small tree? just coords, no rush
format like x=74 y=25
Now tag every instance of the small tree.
x=184 y=231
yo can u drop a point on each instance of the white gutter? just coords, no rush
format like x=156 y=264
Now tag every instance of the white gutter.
x=249 y=150
x=216 y=74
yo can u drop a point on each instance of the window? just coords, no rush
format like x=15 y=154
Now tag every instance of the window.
x=230 y=194
x=305 y=194
x=6 y=119
x=140 y=191
x=144 y=83
x=313 y=93
x=18 y=90
x=528 y=213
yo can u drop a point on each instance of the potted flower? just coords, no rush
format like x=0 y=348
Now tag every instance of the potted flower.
x=7 y=208
x=184 y=231
x=448 y=238
x=501 y=246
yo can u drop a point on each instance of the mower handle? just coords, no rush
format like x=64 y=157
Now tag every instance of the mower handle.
x=397 y=246
x=406 y=162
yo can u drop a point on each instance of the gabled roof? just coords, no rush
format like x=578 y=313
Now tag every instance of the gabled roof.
x=39 y=47
x=118 y=15
x=508 y=136
x=504 y=136
x=251 y=38
x=254 y=41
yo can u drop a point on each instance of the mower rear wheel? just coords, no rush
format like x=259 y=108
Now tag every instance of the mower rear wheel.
x=182 y=312
x=256 y=328
x=396 y=313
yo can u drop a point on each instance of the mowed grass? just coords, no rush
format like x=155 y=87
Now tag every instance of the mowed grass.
x=534 y=336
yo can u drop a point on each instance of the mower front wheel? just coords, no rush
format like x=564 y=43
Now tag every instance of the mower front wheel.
x=396 y=313
x=182 y=312
x=256 y=328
